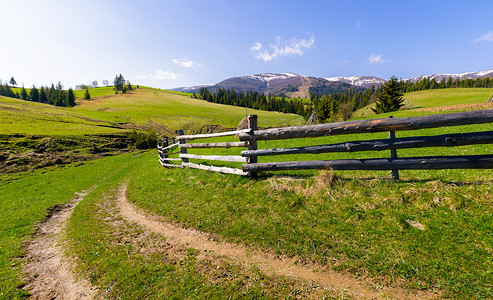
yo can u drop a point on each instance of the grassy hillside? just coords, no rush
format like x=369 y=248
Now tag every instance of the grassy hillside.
x=431 y=231
x=94 y=92
x=25 y=117
x=175 y=111
x=444 y=98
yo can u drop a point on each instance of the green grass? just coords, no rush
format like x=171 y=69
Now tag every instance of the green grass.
x=140 y=107
x=432 y=230
x=437 y=98
x=109 y=255
x=25 y=117
x=175 y=111
x=352 y=222
x=95 y=92
x=26 y=201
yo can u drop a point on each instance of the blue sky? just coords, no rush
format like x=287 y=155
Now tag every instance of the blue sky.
x=168 y=44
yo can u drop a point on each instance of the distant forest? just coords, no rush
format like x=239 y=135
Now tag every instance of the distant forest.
x=55 y=95
x=336 y=106
x=253 y=100
x=330 y=105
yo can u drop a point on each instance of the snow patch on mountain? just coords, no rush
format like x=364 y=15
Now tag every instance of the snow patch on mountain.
x=465 y=75
x=266 y=77
x=361 y=81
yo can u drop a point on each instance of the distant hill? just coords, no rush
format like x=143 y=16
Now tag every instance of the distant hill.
x=466 y=75
x=295 y=85
x=360 y=81
x=289 y=84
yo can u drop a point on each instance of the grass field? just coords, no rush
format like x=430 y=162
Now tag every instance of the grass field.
x=94 y=92
x=25 y=117
x=437 y=98
x=26 y=201
x=433 y=230
x=175 y=111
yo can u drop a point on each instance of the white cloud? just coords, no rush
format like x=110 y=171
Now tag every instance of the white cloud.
x=485 y=38
x=185 y=63
x=282 y=47
x=160 y=75
x=377 y=59
x=256 y=47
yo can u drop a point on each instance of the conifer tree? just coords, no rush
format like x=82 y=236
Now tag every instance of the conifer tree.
x=390 y=99
x=24 y=95
x=34 y=95
x=87 y=96
x=43 y=98
x=118 y=83
x=70 y=98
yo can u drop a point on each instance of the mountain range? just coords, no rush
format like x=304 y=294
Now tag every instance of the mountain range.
x=295 y=85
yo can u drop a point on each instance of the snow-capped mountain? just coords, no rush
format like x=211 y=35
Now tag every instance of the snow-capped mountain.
x=361 y=81
x=289 y=84
x=191 y=89
x=296 y=85
x=466 y=75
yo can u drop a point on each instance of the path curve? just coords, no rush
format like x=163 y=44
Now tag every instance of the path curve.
x=49 y=272
x=268 y=263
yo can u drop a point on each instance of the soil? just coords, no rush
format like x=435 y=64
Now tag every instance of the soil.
x=48 y=272
x=270 y=264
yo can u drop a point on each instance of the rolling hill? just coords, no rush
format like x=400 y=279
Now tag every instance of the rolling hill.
x=298 y=86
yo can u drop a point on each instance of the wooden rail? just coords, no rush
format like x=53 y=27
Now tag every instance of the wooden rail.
x=185 y=157
x=407 y=163
x=445 y=140
x=367 y=126
x=249 y=137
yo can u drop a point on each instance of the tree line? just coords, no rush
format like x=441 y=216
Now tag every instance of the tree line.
x=335 y=106
x=54 y=95
x=253 y=100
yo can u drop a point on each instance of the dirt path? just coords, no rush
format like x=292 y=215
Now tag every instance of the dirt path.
x=269 y=263
x=48 y=271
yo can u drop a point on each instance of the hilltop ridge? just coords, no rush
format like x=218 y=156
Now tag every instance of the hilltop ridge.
x=296 y=85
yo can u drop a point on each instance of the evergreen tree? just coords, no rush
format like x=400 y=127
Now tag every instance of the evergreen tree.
x=52 y=94
x=118 y=83
x=87 y=96
x=43 y=98
x=390 y=99
x=71 y=98
x=34 y=95
x=61 y=98
x=24 y=95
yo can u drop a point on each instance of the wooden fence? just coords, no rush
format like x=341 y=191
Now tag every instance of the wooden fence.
x=165 y=149
x=249 y=137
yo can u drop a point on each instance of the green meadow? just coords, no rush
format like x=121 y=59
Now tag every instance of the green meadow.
x=175 y=111
x=431 y=231
x=437 y=98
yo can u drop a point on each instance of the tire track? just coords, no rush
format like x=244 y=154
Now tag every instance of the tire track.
x=267 y=262
x=49 y=273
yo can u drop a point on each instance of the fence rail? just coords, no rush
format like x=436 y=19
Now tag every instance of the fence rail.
x=249 y=137
x=185 y=157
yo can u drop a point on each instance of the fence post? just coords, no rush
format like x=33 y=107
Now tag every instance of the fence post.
x=393 y=155
x=183 y=150
x=252 y=145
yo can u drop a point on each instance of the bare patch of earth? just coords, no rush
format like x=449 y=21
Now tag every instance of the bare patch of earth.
x=48 y=272
x=329 y=280
x=467 y=107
